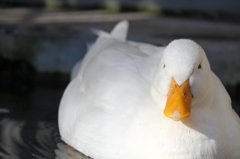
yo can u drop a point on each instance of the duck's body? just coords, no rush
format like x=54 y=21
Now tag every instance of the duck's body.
x=113 y=110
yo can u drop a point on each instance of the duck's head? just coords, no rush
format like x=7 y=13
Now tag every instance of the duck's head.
x=182 y=78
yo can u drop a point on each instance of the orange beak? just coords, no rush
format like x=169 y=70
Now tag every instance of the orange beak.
x=179 y=101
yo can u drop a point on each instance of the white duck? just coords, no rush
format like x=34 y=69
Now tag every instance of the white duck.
x=133 y=100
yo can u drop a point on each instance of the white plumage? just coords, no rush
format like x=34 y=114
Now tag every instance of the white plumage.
x=113 y=107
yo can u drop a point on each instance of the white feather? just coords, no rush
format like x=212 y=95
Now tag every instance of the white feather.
x=113 y=109
x=119 y=32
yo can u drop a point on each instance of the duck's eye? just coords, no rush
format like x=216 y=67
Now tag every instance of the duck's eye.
x=164 y=66
x=199 y=66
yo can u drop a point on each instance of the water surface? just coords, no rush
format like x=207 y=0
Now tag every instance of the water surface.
x=30 y=129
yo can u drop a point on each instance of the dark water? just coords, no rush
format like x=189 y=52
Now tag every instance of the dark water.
x=30 y=129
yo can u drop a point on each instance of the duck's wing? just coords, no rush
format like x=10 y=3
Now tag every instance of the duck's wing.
x=95 y=110
x=119 y=33
x=98 y=104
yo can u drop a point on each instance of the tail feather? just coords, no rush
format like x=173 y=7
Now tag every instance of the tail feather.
x=119 y=32
x=99 y=32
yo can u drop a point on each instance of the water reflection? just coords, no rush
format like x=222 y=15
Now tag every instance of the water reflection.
x=66 y=152
x=21 y=139
x=3 y=110
x=29 y=121
x=30 y=129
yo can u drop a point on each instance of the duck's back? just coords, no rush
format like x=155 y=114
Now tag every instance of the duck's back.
x=98 y=104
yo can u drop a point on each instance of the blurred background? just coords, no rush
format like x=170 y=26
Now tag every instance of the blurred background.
x=40 y=41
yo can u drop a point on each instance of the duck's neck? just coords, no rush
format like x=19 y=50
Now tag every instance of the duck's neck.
x=206 y=100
